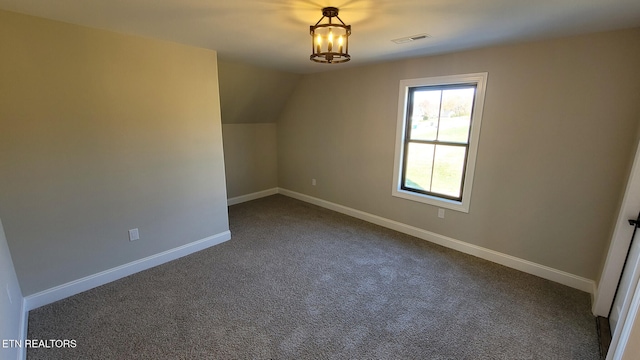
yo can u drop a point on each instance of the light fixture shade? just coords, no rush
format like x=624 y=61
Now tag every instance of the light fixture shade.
x=330 y=40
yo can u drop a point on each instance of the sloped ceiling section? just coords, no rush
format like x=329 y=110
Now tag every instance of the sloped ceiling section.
x=250 y=94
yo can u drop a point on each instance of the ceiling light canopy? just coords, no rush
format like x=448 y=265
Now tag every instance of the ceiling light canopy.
x=330 y=40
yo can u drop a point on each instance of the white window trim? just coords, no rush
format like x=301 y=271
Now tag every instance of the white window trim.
x=480 y=79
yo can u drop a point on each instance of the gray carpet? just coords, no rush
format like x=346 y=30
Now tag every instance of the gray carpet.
x=300 y=282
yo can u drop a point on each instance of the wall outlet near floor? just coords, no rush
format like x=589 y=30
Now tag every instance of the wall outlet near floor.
x=313 y=182
x=441 y=213
x=134 y=234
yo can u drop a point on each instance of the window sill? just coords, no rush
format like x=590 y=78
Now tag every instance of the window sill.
x=432 y=200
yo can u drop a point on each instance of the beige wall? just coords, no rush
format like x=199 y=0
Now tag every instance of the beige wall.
x=252 y=99
x=102 y=133
x=559 y=125
x=251 y=94
x=250 y=157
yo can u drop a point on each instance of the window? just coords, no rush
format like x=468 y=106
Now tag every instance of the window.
x=437 y=139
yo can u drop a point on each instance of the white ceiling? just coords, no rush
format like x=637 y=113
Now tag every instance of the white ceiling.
x=275 y=33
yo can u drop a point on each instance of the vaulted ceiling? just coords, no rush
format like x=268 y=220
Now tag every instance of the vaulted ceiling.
x=275 y=33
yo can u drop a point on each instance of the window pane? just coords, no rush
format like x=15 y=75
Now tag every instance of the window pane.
x=455 y=117
x=424 y=119
x=419 y=166
x=447 y=170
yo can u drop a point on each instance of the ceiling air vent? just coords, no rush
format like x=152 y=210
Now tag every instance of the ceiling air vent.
x=407 y=39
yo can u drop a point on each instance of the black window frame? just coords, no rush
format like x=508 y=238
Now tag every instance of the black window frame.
x=408 y=140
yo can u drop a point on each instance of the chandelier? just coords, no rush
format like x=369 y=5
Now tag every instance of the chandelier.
x=330 y=40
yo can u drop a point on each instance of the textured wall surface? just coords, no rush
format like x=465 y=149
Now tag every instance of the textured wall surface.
x=559 y=127
x=251 y=94
x=250 y=157
x=101 y=133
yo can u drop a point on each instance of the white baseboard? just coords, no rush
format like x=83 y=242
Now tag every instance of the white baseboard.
x=545 y=272
x=89 y=282
x=252 y=196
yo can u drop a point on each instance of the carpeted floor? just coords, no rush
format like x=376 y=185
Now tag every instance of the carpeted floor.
x=300 y=282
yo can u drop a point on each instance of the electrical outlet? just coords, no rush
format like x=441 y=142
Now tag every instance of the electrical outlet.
x=441 y=213
x=313 y=182
x=134 y=234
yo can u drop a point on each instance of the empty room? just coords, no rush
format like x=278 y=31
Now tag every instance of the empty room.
x=319 y=180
